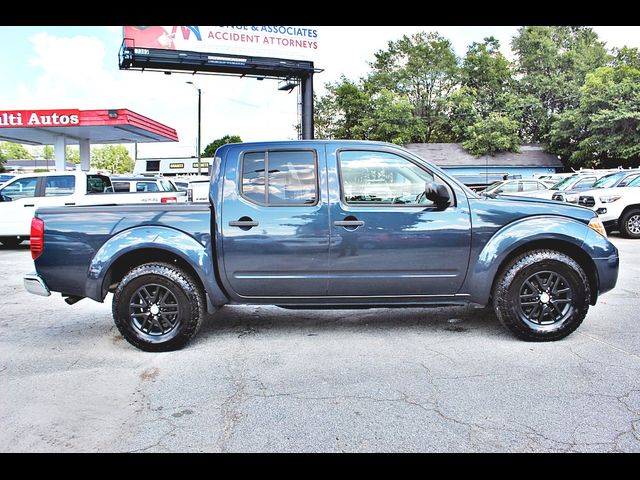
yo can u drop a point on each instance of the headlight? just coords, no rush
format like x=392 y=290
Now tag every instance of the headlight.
x=572 y=198
x=596 y=224
x=610 y=198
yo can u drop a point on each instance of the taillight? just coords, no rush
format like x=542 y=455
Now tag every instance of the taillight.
x=169 y=200
x=37 y=237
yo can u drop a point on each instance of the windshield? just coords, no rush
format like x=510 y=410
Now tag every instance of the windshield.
x=563 y=184
x=609 y=180
x=5 y=178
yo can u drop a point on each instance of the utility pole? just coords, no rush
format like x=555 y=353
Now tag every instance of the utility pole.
x=199 y=127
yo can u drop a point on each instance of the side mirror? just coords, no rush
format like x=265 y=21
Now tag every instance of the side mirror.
x=4 y=198
x=437 y=193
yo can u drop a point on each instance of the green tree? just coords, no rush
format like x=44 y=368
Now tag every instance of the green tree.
x=114 y=158
x=604 y=128
x=496 y=133
x=72 y=154
x=210 y=149
x=423 y=69
x=48 y=153
x=552 y=63
x=486 y=98
x=14 y=151
x=341 y=112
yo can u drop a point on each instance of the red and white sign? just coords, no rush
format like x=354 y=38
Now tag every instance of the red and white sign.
x=300 y=43
x=39 y=118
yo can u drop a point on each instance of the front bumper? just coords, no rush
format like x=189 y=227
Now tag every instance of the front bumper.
x=33 y=283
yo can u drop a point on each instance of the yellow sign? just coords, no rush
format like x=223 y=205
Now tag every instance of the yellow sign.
x=176 y=165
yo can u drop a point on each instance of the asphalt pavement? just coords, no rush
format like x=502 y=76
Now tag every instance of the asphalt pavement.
x=265 y=379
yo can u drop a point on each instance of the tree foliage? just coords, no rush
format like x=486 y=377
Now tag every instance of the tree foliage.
x=210 y=149
x=14 y=151
x=563 y=88
x=114 y=158
x=604 y=129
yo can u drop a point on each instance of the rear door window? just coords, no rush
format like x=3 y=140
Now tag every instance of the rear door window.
x=291 y=179
x=58 y=186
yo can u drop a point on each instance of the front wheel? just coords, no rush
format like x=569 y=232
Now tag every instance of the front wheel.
x=542 y=295
x=630 y=224
x=157 y=307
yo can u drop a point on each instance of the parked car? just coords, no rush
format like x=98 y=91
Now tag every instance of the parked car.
x=513 y=187
x=573 y=183
x=198 y=191
x=142 y=184
x=618 y=178
x=429 y=241
x=618 y=207
x=22 y=195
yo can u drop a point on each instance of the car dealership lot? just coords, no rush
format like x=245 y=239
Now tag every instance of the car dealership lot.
x=268 y=379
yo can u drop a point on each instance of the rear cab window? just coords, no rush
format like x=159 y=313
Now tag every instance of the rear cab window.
x=98 y=183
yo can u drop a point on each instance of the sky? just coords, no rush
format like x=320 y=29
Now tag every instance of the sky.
x=77 y=67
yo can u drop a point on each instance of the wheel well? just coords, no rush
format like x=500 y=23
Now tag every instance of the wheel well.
x=135 y=258
x=569 y=249
x=627 y=208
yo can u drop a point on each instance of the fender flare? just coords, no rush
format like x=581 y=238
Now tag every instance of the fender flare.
x=171 y=240
x=514 y=236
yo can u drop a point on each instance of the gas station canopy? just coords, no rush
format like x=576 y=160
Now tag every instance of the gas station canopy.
x=80 y=127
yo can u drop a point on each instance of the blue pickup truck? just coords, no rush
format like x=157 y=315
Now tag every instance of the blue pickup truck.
x=325 y=224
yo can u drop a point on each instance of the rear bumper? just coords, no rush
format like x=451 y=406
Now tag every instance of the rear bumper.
x=33 y=283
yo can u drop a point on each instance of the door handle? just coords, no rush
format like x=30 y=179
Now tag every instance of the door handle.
x=70 y=203
x=349 y=223
x=245 y=223
x=29 y=204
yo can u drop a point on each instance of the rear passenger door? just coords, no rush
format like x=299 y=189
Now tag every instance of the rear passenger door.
x=275 y=230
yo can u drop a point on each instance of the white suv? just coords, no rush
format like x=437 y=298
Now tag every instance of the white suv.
x=618 y=208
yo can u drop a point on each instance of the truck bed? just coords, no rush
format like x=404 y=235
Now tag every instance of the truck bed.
x=74 y=235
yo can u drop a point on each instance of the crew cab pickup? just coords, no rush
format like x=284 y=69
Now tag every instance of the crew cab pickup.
x=23 y=194
x=326 y=224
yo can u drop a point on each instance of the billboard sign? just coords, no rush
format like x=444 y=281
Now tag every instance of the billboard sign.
x=291 y=42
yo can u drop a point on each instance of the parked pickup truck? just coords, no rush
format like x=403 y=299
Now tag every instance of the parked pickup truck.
x=618 y=207
x=23 y=194
x=326 y=224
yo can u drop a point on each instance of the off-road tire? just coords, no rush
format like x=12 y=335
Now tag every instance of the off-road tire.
x=508 y=295
x=186 y=293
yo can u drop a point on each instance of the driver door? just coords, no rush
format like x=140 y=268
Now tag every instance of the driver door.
x=387 y=239
x=18 y=206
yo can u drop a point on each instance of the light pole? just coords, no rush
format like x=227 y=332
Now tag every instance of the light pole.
x=199 y=124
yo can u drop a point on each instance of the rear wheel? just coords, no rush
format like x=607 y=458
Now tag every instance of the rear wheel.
x=542 y=295
x=630 y=224
x=11 y=242
x=158 y=307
